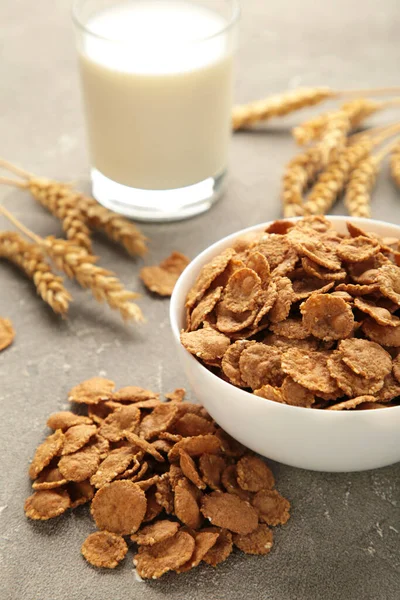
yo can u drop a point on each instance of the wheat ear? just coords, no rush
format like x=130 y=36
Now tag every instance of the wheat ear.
x=395 y=164
x=299 y=173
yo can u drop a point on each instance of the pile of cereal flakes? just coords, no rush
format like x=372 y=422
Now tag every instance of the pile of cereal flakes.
x=303 y=315
x=161 y=472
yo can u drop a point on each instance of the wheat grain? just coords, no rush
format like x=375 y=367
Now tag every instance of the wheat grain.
x=104 y=285
x=298 y=175
x=333 y=179
x=30 y=259
x=279 y=105
x=359 y=187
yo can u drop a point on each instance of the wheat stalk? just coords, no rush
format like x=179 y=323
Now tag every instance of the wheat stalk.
x=79 y=265
x=31 y=260
x=298 y=175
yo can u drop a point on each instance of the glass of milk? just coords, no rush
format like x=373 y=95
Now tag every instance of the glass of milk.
x=157 y=88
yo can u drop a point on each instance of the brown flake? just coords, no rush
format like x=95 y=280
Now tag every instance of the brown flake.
x=153 y=561
x=230 y=446
x=260 y=265
x=270 y=392
x=211 y=468
x=123 y=419
x=230 y=483
x=104 y=549
x=320 y=273
x=49 y=478
x=260 y=364
x=81 y=465
x=65 y=419
x=381 y=334
x=76 y=437
x=266 y=301
x=277 y=249
x=114 y=464
x=358 y=249
x=390 y=389
x=133 y=393
x=186 y=504
x=259 y=541
x=99 y=412
x=47 y=450
x=309 y=369
x=189 y=469
x=153 y=507
x=155 y=533
x=119 y=507
x=327 y=317
x=229 y=321
x=273 y=509
x=230 y=362
x=47 y=504
x=293 y=329
x=283 y=302
x=366 y=358
x=102 y=445
x=396 y=368
x=161 y=279
x=253 y=474
x=208 y=273
x=352 y=384
x=164 y=495
x=348 y=404
x=143 y=445
x=229 y=512
x=80 y=492
x=242 y=290
x=190 y=425
x=379 y=314
x=92 y=391
x=388 y=279
x=206 y=344
x=195 y=446
x=221 y=549
x=177 y=395
x=7 y=333
x=205 y=307
x=295 y=394
x=160 y=419
x=204 y=541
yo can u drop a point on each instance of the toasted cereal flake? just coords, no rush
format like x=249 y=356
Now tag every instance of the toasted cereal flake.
x=92 y=391
x=205 y=307
x=206 y=344
x=158 y=420
x=293 y=329
x=104 y=549
x=144 y=445
x=388 y=280
x=381 y=334
x=204 y=541
x=170 y=437
x=164 y=495
x=327 y=318
x=344 y=295
x=153 y=508
x=259 y=541
x=242 y=290
x=390 y=389
x=186 y=504
x=230 y=362
x=221 y=549
x=81 y=465
x=49 y=478
x=229 y=512
x=280 y=226
x=144 y=467
x=193 y=425
x=162 y=445
x=47 y=504
x=353 y=385
x=189 y=469
x=357 y=289
x=229 y=445
x=320 y=253
x=304 y=287
x=273 y=509
x=309 y=369
x=211 y=468
x=230 y=483
x=47 y=450
x=7 y=333
x=260 y=265
x=366 y=358
x=380 y=314
x=123 y=419
x=161 y=279
x=148 y=404
x=295 y=394
x=229 y=321
x=348 y=404
x=114 y=464
x=102 y=445
x=253 y=474
x=153 y=561
x=270 y=392
x=275 y=248
x=119 y=507
x=246 y=241
x=80 y=492
x=322 y=273
x=99 y=412
x=260 y=364
x=76 y=437
x=282 y=304
x=146 y=484
x=195 y=446
x=266 y=301
x=65 y=419
x=177 y=395
x=396 y=368
x=155 y=533
x=175 y=474
x=358 y=248
x=208 y=273
x=133 y=393
x=283 y=343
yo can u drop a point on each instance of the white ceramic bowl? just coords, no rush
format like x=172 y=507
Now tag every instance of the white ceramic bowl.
x=301 y=437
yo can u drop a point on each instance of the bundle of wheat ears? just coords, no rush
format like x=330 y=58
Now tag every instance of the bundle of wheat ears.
x=335 y=160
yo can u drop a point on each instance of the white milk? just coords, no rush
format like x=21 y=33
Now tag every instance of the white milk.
x=157 y=104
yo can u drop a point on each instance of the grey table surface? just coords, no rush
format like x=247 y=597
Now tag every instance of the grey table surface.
x=343 y=540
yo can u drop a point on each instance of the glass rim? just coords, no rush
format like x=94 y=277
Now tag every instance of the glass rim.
x=85 y=29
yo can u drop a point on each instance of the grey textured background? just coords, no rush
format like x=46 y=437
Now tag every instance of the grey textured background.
x=343 y=541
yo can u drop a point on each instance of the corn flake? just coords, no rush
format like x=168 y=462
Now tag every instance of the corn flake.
x=229 y=512
x=206 y=344
x=153 y=561
x=186 y=505
x=366 y=358
x=50 y=448
x=242 y=290
x=327 y=317
x=204 y=541
x=80 y=465
x=272 y=508
x=155 y=533
x=189 y=469
x=161 y=279
x=47 y=504
x=76 y=437
x=309 y=369
x=260 y=364
x=7 y=333
x=211 y=468
x=253 y=474
x=114 y=464
x=119 y=507
x=65 y=419
x=259 y=541
x=352 y=384
x=92 y=391
x=352 y=403
x=104 y=549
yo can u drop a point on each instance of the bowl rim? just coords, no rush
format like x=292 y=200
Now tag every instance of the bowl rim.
x=174 y=315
